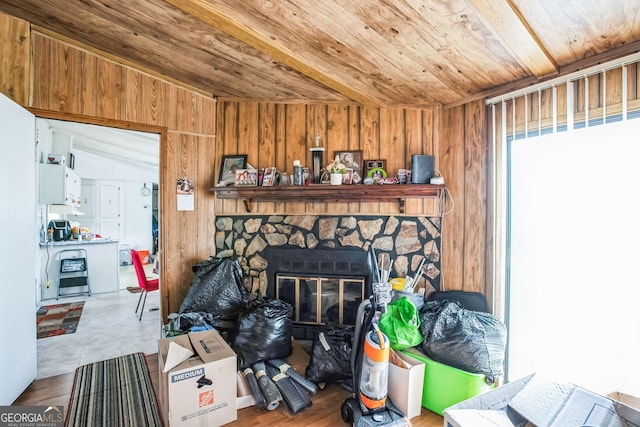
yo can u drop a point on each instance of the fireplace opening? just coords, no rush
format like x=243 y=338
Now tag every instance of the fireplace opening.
x=323 y=286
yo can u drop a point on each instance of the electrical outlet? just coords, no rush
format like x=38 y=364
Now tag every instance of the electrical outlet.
x=47 y=283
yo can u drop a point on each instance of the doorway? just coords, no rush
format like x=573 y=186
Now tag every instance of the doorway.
x=120 y=164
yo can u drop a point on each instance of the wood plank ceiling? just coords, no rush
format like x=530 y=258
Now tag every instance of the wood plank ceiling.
x=379 y=53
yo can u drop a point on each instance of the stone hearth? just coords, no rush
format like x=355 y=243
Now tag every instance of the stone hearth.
x=407 y=240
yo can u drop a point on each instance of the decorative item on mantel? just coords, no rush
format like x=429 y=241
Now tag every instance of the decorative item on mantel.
x=336 y=169
x=316 y=160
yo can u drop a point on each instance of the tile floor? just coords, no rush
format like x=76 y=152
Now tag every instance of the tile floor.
x=108 y=328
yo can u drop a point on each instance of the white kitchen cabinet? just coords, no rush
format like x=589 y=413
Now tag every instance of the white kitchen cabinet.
x=59 y=185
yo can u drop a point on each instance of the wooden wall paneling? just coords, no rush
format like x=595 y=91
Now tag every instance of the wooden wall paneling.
x=417 y=124
x=247 y=136
x=207 y=114
x=280 y=146
x=189 y=238
x=40 y=88
x=266 y=144
x=546 y=108
x=248 y=132
x=353 y=135
x=451 y=153
x=595 y=96
x=509 y=104
x=59 y=92
x=153 y=92
x=133 y=100
x=370 y=145
x=109 y=90
x=174 y=278
x=532 y=112
x=15 y=43
x=475 y=201
x=632 y=82
x=579 y=97
x=227 y=145
x=392 y=147
x=613 y=85
x=431 y=207
x=337 y=129
x=296 y=145
x=561 y=104
x=82 y=77
x=520 y=108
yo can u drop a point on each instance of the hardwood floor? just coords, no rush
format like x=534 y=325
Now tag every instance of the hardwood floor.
x=325 y=410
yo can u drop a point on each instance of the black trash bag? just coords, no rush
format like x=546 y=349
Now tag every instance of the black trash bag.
x=330 y=360
x=217 y=288
x=263 y=332
x=185 y=322
x=469 y=340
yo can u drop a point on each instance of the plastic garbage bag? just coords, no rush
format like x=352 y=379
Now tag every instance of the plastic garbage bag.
x=469 y=340
x=330 y=360
x=401 y=324
x=263 y=332
x=217 y=288
x=188 y=322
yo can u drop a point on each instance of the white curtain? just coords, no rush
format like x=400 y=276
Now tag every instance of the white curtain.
x=574 y=302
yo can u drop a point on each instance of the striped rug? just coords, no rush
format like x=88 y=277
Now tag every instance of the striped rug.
x=112 y=393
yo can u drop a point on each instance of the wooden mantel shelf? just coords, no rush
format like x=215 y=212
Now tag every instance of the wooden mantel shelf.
x=328 y=193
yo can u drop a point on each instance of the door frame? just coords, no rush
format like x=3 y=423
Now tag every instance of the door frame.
x=133 y=126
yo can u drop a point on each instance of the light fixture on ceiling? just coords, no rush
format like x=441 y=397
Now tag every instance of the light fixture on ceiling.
x=145 y=190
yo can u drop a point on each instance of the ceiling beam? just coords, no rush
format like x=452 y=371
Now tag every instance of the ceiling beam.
x=212 y=16
x=512 y=29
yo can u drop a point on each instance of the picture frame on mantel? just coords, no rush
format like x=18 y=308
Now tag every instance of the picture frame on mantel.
x=229 y=165
x=351 y=159
x=373 y=164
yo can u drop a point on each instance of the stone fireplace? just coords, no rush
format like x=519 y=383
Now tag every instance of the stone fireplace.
x=319 y=263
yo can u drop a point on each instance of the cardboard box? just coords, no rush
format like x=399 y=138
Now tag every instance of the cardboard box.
x=186 y=397
x=627 y=399
x=535 y=400
x=406 y=377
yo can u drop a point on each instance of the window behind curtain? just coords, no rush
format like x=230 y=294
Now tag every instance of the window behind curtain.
x=574 y=282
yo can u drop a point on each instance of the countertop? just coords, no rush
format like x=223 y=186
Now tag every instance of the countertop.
x=77 y=243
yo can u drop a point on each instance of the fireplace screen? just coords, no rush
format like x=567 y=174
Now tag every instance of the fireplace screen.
x=321 y=300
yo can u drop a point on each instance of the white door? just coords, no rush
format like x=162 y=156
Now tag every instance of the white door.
x=18 y=248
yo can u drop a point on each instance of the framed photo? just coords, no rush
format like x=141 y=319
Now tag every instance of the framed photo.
x=347 y=178
x=373 y=164
x=246 y=178
x=269 y=177
x=229 y=166
x=404 y=176
x=351 y=159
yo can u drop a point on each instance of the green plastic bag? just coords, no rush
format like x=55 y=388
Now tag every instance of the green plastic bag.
x=401 y=324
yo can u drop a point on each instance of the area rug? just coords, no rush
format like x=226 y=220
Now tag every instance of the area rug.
x=114 y=392
x=58 y=319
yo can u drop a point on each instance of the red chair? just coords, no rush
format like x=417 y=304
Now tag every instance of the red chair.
x=145 y=284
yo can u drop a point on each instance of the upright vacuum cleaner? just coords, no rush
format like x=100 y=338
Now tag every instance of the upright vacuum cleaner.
x=369 y=404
